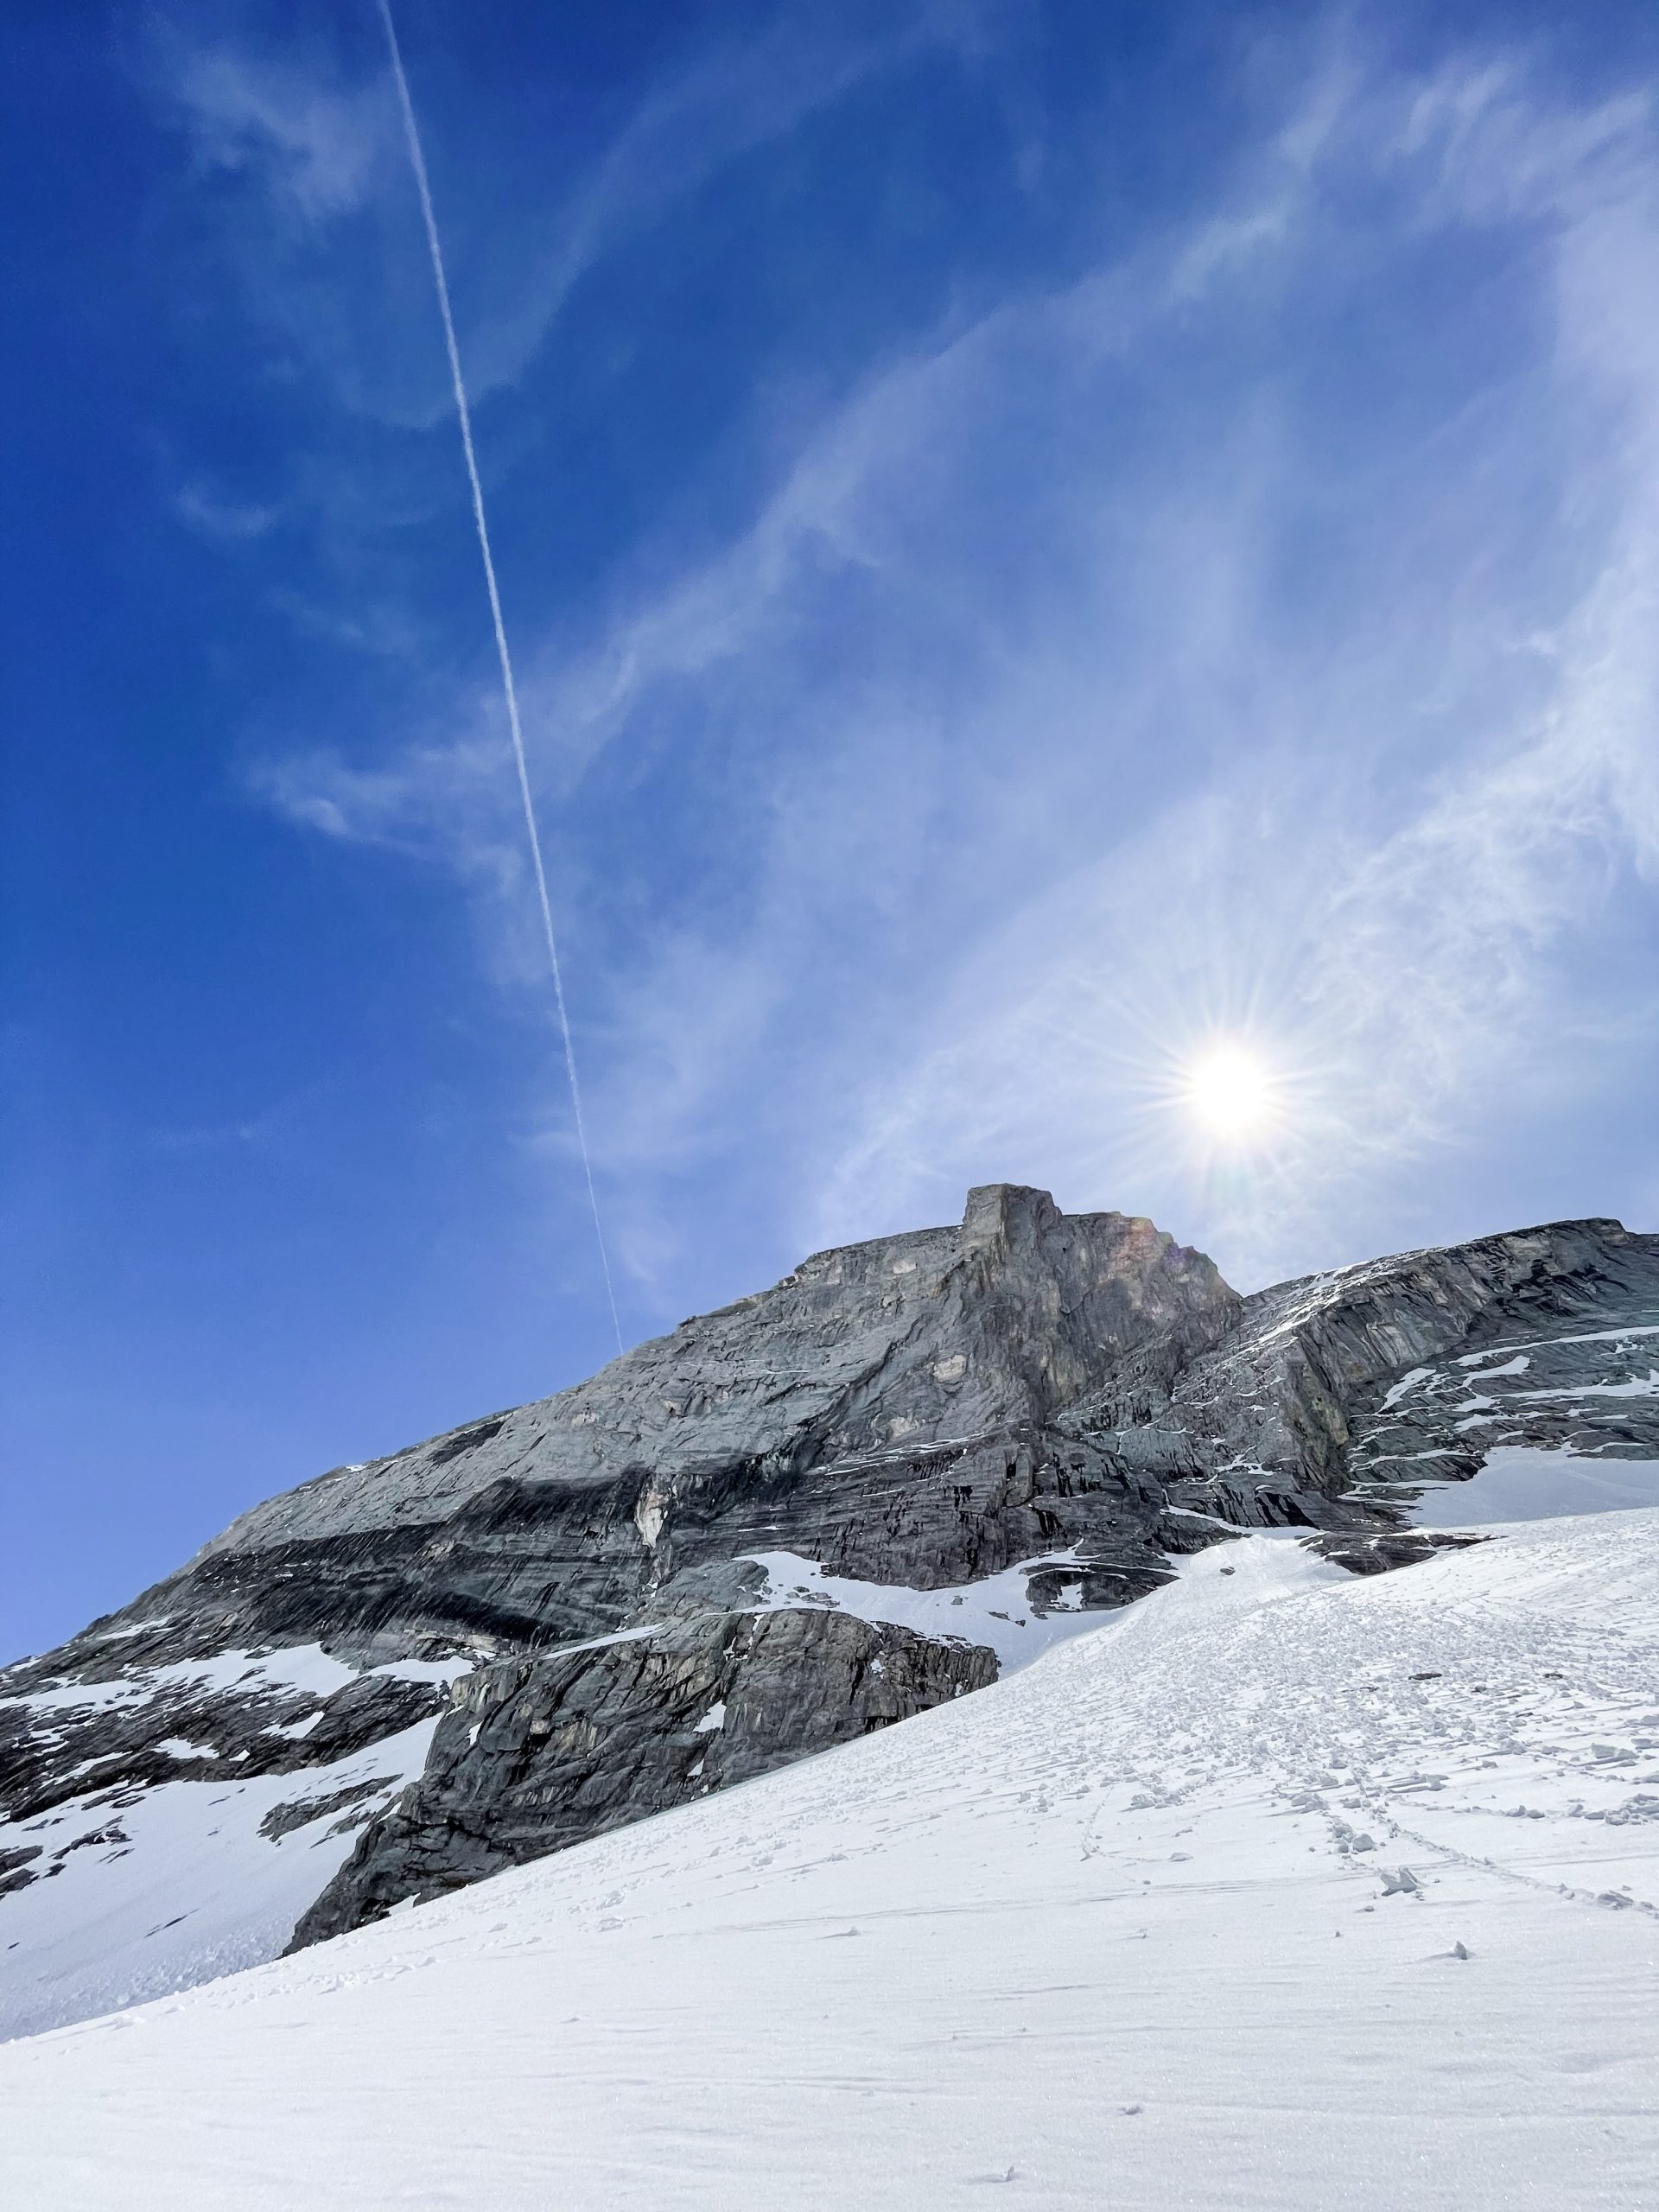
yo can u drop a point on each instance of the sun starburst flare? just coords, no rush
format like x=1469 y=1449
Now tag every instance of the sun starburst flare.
x=1232 y=1094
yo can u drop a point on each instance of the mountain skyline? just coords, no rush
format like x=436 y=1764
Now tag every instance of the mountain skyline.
x=901 y=1474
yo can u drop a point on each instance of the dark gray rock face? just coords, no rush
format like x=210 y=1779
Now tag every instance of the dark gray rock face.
x=540 y=1752
x=820 y=1409
x=809 y=1408
x=1071 y=1398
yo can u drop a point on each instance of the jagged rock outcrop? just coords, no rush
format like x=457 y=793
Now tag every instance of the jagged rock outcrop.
x=541 y=1752
x=1350 y=1381
x=543 y=1606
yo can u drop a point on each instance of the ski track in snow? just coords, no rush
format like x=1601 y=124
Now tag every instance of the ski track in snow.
x=1281 y=1892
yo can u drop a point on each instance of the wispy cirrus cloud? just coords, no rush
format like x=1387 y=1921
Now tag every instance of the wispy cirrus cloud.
x=314 y=144
x=229 y=521
x=313 y=147
x=1256 y=634
x=1418 y=959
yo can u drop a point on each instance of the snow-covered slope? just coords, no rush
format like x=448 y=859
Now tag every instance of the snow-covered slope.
x=1283 y=1890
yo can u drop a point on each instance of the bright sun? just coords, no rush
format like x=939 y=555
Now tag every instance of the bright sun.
x=1231 y=1093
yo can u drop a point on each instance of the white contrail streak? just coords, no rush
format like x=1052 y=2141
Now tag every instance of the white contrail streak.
x=417 y=163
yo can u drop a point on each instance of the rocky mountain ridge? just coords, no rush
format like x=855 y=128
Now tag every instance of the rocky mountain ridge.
x=771 y=1530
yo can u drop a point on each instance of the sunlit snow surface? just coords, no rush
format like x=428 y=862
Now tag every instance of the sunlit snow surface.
x=157 y=1889
x=1133 y=1928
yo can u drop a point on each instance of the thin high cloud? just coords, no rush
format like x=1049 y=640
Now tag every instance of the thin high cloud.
x=227 y=521
x=1415 y=961
x=314 y=144
x=313 y=148
x=1215 y=702
x=724 y=104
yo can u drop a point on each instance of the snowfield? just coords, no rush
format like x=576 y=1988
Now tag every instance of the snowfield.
x=1281 y=1890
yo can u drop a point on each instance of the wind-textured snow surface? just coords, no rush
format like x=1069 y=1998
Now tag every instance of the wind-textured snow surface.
x=153 y=1891
x=1282 y=1890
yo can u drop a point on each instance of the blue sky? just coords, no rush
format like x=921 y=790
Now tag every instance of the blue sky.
x=1036 y=539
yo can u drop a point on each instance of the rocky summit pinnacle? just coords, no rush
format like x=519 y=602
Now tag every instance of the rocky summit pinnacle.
x=908 y=1466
